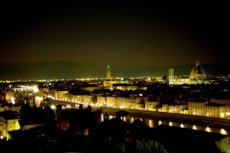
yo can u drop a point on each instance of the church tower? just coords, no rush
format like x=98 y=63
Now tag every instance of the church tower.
x=171 y=75
x=197 y=62
x=108 y=73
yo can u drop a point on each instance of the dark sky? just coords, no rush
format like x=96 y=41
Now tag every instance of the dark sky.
x=70 y=39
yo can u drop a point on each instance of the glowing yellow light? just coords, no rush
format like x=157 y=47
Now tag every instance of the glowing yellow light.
x=13 y=124
x=53 y=106
x=222 y=115
x=110 y=117
x=150 y=123
x=182 y=125
x=208 y=129
x=38 y=98
x=102 y=117
x=122 y=107
x=194 y=127
x=170 y=124
x=132 y=120
x=223 y=131
x=159 y=122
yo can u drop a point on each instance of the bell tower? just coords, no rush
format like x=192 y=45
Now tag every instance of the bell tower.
x=108 y=73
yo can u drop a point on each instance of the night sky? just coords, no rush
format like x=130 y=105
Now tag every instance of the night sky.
x=71 y=39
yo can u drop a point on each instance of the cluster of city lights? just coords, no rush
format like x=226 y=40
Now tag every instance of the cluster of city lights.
x=150 y=123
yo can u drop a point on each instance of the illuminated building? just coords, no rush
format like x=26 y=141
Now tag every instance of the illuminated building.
x=7 y=125
x=106 y=101
x=24 y=93
x=9 y=96
x=90 y=87
x=26 y=88
x=197 y=74
x=171 y=75
x=196 y=108
x=151 y=105
x=85 y=98
x=101 y=100
x=126 y=86
x=208 y=109
x=108 y=83
x=108 y=73
x=58 y=94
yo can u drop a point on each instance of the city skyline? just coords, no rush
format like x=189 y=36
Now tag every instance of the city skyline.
x=78 y=39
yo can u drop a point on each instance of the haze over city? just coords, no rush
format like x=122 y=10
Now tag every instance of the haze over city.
x=70 y=39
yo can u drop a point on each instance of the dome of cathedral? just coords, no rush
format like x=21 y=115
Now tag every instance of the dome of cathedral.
x=197 y=72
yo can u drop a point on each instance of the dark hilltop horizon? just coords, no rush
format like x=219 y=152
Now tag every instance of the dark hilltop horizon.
x=74 y=70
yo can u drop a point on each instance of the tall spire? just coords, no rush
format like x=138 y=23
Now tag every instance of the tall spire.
x=197 y=62
x=108 y=72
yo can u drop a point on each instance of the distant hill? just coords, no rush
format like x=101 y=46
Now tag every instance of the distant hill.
x=72 y=70
x=211 y=69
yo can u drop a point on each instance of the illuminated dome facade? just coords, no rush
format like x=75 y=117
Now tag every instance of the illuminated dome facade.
x=197 y=73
